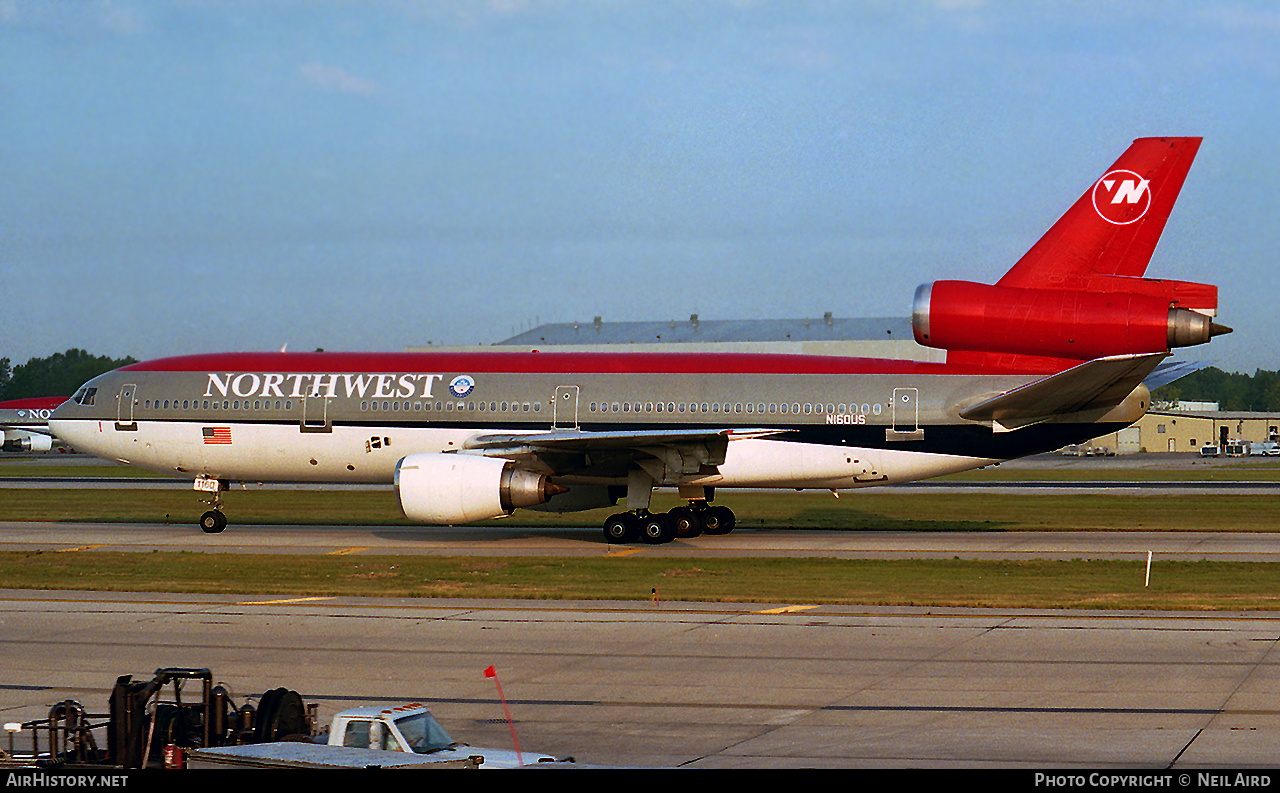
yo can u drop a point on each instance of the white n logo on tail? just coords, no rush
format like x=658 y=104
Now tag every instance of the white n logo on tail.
x=1122 y=197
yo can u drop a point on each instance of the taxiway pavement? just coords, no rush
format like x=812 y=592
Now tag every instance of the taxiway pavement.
x=769 y=685
x=515 y=540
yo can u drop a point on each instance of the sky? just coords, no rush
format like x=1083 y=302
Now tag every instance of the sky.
x=218 y=175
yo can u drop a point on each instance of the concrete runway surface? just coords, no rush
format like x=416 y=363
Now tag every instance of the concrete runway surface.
x=513 y=539
x=701 y=685
x=769 y=685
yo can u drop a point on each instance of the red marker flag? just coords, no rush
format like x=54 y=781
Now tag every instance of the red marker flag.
x=491 y=672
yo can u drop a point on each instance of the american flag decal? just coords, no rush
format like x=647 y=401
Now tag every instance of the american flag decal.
x=217 y=435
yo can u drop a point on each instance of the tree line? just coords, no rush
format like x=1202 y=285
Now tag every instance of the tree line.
x=1233 y=391
x=62 y=373
x=59 y=374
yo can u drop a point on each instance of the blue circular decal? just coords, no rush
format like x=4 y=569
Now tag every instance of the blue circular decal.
x=462 y=385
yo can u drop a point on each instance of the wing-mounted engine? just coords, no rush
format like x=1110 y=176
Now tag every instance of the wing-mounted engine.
x=461 y=488
x=18 y=441
x=1115 y=316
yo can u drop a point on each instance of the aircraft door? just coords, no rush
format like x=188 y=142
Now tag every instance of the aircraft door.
x=315 y=414
x=124 y=407
x=906 y=409
x=564 y=411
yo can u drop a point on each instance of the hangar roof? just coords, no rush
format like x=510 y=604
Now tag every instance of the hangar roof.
x=696 y=331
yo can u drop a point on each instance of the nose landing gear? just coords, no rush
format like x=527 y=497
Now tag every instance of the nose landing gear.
x=213 y=521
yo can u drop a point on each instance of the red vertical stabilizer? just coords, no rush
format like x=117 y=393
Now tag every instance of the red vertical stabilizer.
x=1114 y=227
x=1079 y=294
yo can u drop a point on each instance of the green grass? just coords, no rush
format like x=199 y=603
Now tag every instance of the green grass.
x=871 y=510
x=629 y=574
x=941 y=583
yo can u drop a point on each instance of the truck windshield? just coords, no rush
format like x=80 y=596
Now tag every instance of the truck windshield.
x=424 y=733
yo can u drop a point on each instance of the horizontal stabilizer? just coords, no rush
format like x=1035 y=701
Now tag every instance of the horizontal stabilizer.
x=1171 y=371
x=1102 y=383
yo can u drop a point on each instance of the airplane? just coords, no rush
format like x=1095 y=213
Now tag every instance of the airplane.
x=1053 y=353
x=24 y=424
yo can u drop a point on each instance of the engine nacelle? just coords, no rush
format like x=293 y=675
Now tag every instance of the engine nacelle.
x=579 y=498
x=960 y=315
x=460 y=488
x=26 y=442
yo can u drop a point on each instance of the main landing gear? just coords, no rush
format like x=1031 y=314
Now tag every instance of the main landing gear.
x=657 y=528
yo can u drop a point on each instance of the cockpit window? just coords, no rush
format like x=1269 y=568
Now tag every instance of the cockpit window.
x=85 y=396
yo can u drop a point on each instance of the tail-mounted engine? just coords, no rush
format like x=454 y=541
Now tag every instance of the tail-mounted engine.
x=1112 y=315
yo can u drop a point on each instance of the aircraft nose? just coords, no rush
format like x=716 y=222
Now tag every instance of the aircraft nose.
x=62 y=424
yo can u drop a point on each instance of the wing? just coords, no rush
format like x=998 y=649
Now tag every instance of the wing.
x=33 y=429
x=1097 y=385
x=611 y=453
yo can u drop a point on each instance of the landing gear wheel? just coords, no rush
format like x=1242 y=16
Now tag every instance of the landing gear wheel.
x=622 y=528
x=718 y=520
x=657 y=529
x=213 y=521
x=685 y=521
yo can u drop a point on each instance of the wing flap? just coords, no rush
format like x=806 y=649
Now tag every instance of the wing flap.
x=586 y=440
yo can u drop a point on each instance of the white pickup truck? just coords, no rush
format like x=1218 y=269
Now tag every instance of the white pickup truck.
x=412 y=728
